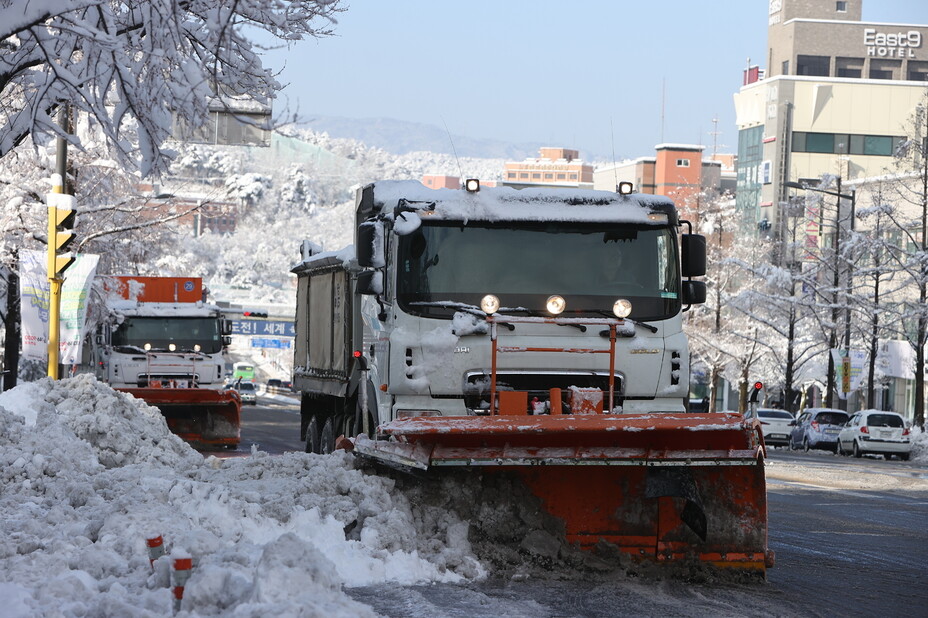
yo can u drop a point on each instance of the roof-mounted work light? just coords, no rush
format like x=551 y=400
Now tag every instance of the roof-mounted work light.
x=625 y=188
x=472 y=185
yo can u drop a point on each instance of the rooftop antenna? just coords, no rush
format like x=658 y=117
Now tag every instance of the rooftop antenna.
x=453 y=151
x=663 y=92
x=615 y=170
x=715 y=136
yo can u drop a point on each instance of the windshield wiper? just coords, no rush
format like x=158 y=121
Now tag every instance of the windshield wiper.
x=447 y=304
x=463 y=307
x=537 y=312
x=644 y=325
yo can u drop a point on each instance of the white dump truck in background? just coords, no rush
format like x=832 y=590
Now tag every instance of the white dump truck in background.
x=164 y=344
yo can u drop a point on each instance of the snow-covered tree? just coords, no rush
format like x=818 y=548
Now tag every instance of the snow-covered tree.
x=130 y=65
x=909 y=218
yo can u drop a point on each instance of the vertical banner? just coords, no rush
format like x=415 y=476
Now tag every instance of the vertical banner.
x=33 y=294
x=74 y=295
x=854 y=361
x=34 y=299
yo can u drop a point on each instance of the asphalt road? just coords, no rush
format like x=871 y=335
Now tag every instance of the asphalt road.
x=841 y=549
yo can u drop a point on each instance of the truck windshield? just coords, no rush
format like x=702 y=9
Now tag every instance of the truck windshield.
x=590 y=264
x=184 y=333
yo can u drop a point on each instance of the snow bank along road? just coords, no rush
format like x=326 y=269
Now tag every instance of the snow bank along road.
x=88 y=474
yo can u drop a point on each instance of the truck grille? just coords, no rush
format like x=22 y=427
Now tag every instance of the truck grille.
x=166 y=379
x=538 y=385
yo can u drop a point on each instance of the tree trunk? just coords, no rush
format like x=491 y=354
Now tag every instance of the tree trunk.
x=13 y=332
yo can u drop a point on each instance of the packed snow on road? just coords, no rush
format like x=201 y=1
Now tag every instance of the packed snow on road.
x=88 y=475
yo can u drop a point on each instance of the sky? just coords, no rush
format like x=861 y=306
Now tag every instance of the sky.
x=88 y=475
x=602 y=77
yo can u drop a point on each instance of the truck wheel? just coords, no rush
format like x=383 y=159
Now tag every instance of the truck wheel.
x=312 y=436
x=327 y=437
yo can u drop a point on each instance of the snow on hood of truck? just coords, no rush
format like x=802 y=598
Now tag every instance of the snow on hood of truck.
x=506 y=203
x=162 y=310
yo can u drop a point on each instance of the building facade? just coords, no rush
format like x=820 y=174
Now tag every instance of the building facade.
x=834 y=99
x=554 y=167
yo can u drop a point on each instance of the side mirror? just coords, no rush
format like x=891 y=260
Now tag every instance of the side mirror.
x=694 y=292
x=225 y=327
x=693 y=256
x=226 y=340
x=370 y=247
x=370 y=282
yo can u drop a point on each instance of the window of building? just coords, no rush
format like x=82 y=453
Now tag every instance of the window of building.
x=918 y=71
x=842 y=143
x=683 y=162
x=573 y=176
x=511 y=175
x=536 y=175
x=561 y=176
x=523 y=175
x=849 y=67
x=885 y=69
x=785 y=67
x=549 y=176
x=813 y=65
x=841 y=6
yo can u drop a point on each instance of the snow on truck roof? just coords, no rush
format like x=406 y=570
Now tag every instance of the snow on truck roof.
x=131 y=308
x=506 y=203
x=411 y=197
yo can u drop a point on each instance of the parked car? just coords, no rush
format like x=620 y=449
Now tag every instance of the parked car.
x=817 y=428
x=273 y=383
x=775 y=425
x=247 y=390
x=875 y=432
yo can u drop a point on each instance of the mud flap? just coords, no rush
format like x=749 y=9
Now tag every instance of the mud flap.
x=678 y=482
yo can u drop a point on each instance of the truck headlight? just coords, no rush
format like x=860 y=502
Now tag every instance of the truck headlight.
x=622 y=308
x=556 y=304
x=489 y=303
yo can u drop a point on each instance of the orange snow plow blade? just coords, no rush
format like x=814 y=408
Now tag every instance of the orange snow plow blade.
x=661 y=487
x=201 y=416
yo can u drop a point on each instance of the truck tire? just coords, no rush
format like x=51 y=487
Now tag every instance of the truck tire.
x=312 y=436
x=327 y=437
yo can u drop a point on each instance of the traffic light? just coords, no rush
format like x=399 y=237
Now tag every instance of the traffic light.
x=62 y=212
x=758 y=386
x=254 y=314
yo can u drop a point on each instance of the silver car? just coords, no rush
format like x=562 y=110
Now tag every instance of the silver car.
x=875 y=432
x=817 y=428
x=248 y=392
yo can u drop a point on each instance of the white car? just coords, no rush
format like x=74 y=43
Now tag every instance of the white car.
x=775 y=425
x=875 y=432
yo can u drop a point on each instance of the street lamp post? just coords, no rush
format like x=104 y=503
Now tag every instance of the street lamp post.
x=852 y=196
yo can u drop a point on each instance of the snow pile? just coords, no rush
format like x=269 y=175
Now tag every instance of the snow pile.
x=87 y=474
x=919 y=445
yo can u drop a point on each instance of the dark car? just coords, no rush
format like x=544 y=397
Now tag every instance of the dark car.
x=273 y=383
x=817 y=428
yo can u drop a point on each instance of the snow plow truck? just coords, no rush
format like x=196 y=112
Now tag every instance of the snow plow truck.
x=163 y=344
x=537 y=332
